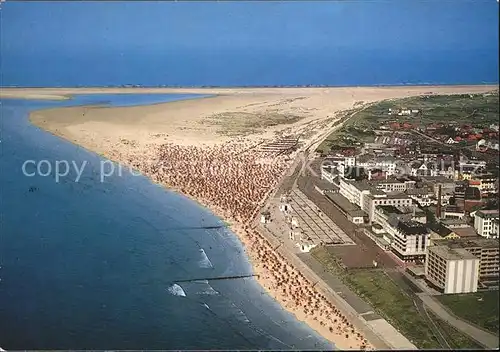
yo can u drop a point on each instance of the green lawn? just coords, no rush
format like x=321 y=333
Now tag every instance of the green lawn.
x=391 y=302
x=479 y=110
x=377 y=289
x=455 y=338
x=480 y=308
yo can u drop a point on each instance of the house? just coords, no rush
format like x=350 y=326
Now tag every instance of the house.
x=486 y=223
x=450 y=140
x=485 y=144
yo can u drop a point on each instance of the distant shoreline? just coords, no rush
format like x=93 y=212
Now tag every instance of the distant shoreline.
x=60 y=93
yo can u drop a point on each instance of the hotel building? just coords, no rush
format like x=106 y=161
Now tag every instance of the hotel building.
x=452 y=270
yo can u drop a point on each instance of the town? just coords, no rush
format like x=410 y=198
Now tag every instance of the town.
x=399 y=207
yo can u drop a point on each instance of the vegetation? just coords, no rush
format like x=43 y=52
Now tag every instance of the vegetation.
x=481 y=109
x=377 y=289
x=396 y=306
x=480 y=308
x=456 y=339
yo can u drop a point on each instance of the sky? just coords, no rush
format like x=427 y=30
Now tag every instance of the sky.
x=78 y=31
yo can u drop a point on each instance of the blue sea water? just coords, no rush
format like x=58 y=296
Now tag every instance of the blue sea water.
x=93 y=265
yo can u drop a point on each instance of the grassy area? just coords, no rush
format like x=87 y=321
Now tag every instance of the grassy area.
x=455 y=338
x=481 y=110
x=480 y=308
x=377 y=289
x=396 y=306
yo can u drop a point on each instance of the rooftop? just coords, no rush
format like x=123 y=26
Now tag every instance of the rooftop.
x=487 y=214
x=412 y=227
x=388 y=209
x=466 y=232
x=470 y=243
x=344 y=204
x=451 y=253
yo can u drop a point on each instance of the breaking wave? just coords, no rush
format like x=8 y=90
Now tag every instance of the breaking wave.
x=176 y=290
x=204 y=262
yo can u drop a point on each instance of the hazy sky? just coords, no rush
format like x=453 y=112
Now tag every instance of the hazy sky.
x=133 y=29
x=42 y=27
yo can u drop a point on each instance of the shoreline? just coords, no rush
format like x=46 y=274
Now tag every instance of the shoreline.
x=297 y=295
x=64 y=93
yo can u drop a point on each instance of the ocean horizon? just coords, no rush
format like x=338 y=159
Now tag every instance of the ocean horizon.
x=93 y=265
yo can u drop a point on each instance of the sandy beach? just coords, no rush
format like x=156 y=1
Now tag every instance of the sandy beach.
x=209 y=150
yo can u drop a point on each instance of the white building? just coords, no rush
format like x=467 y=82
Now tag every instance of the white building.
x=371 y=200
x=327 y=173
x=411 y=239
x=301 y=240
x=368 y=197
x=486 y=223
x=386 y=164
x=393 y=185
x=353 y=191
x=452 y=270
x=488 y=143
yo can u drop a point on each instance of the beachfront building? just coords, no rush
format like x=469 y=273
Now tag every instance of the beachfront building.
x=353 y=191
x=486 y=223
x=411 y=239
x=375 y=198
x=386 y=164
x=328 y=173
x=452 y=270
x=367 y=197
x=486 y=250
x=389 y=186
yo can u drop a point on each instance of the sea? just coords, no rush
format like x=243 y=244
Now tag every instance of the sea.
x=99 y=263
x=87 y=263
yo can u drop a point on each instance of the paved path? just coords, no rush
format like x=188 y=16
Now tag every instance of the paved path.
x=483 y=337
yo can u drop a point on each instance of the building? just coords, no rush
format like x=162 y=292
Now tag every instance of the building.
x=452 y=270
x=393 y=185
x=485 y=183
x=386 y=164
x=375 y=198
x=486 y=223
x=328 y=173
x=453 y=212
x=411 y=239
x=487 y=250
x=367 y=197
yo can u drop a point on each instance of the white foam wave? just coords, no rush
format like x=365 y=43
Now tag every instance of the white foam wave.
x=238 y=313
x=203 y=288
x=204 y=262
x=209 y=291
x=177 y=290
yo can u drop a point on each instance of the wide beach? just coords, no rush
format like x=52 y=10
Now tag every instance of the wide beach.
x=208 y=149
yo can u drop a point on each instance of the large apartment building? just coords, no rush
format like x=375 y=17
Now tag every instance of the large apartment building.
x=411 y=239
x=368 y=197
x=452 y=270
x=375 y=198
x=486 y=250
x=486 y=223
